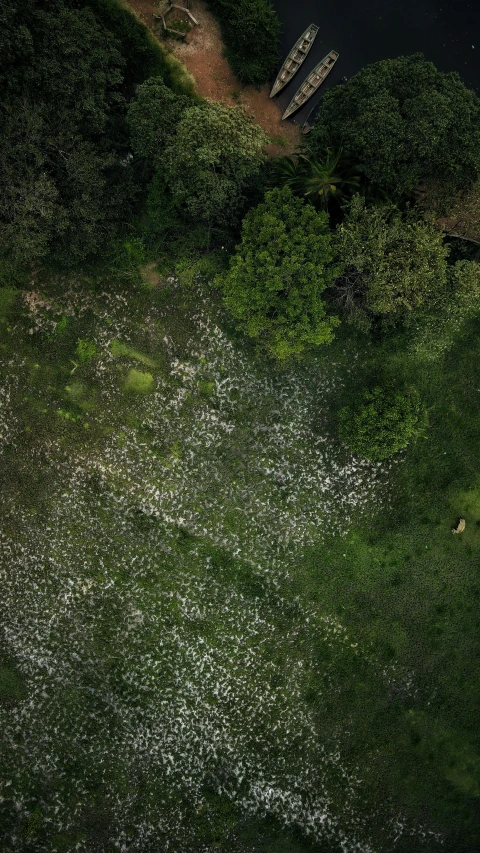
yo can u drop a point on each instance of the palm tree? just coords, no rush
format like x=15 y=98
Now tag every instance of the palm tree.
x=319 y=181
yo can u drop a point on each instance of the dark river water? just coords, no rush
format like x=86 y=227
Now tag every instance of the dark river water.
x=364 y=31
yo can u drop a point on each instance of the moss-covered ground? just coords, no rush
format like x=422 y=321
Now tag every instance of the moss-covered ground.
x=219 y=630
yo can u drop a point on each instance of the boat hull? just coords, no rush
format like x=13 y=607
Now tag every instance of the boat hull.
x=312 y=83
x=295 y=59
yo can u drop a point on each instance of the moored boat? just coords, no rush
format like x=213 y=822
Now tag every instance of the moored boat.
x=312 y=83
x=294 y=59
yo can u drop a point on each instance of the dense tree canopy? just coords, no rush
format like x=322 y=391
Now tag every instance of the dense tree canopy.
x=392 y=264
x=212 y=160
x=65 y=178
x=251 y=31
x=277 y=276
x=401 y=120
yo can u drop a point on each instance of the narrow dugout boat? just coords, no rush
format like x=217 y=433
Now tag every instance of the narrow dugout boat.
x=297 y=55
x=312 y=83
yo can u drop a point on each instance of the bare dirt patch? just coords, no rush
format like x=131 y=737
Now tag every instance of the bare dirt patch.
x=202 y=53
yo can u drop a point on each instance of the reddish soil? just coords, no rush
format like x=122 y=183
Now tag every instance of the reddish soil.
x=202 y=55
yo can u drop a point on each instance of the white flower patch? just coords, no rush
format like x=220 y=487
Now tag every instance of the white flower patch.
x=149 y=675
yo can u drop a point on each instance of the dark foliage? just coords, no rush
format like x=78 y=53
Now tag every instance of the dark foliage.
x=251 y=32
x=67 y=70
x=401 y=120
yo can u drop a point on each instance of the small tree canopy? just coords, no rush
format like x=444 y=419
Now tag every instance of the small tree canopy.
x=400 y=120
x=397 y=262
x=278 y=274
x=383 y=423
x=214 y=157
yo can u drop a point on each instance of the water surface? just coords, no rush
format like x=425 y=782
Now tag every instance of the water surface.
x=447 y=33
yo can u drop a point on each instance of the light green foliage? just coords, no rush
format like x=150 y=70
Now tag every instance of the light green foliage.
x=251 y=32
x=215 y=156
x=383 y=423
x=86 y=350
x=392 y=264
x=435 y=332
x=139 y=382
x=276 y=277
x=401 y=120
x=152 y=118
x=118 y=348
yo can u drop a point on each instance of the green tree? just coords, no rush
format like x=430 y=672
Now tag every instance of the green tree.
x=251 y=32
x=391 y=264
x=401 y=120
x=278 y=273
x=383 y=423
x=213 y=160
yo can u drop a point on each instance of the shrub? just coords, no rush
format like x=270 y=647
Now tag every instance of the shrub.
x=139 y=382
x=384 y=423
x=85 y=350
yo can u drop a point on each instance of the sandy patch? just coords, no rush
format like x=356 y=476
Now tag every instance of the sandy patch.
x=203 y=56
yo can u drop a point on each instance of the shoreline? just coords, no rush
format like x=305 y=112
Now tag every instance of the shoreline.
x=202 y=54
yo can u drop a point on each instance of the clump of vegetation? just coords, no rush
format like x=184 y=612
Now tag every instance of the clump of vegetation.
x=251 y=32
x=383 y=423
x=86 y=350
x=139 y=382
x=400 y=120
x=277 y=276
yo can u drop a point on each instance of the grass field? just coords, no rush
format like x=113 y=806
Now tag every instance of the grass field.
x=220 y=630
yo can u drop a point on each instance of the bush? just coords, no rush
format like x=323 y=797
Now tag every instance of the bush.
x=139 y=382
x=384 y=423
x=251 y=32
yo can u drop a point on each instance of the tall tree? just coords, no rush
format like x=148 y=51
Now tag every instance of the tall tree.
x=401 y=120
x=65 y=178
x=214 y=158
x=277 y=276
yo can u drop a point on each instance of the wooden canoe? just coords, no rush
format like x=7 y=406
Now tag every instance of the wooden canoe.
x=312 y=83
x=294 y=59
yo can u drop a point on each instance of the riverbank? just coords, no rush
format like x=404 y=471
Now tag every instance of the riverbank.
x=203 y=56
